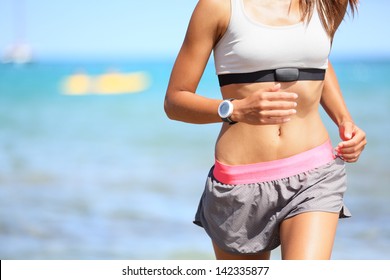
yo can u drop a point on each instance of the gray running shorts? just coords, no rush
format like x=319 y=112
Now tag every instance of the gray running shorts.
x=245 y=218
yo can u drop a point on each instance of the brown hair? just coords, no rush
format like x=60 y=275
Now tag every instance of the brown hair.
x=331 y=12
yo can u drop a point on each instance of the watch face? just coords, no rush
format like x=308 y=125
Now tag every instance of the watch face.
x=225 y=109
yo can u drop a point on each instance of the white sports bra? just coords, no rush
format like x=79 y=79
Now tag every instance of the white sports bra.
x=249 y=46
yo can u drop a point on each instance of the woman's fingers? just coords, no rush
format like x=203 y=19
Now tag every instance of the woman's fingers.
x=266 y=107
x=276 y=107
x=351 y=149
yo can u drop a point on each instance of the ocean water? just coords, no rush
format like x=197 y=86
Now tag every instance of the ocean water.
x=110 y=177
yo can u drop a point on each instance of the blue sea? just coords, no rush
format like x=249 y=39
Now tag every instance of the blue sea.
x=110 y=177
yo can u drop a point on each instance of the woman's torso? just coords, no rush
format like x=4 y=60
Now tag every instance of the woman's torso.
x=282 y=42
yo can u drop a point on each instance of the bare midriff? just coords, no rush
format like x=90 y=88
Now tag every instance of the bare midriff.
x=242 y=143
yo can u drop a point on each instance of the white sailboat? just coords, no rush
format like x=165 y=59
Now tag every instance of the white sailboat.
x=18 y=52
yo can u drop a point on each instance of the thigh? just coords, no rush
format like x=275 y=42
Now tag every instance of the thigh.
x=223 y=255
x=308 y=235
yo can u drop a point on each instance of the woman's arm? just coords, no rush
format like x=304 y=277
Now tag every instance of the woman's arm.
x=205 y=28
x=332 y=100
x=354 y=139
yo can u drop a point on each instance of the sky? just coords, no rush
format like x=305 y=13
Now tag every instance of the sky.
x=74 y=29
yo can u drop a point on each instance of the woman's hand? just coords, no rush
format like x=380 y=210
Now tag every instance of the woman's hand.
x=271 y=106
x=354 y=141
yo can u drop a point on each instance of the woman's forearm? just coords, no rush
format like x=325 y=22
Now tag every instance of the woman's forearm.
x=332 y=99
x=189 y=107
x=353 y=138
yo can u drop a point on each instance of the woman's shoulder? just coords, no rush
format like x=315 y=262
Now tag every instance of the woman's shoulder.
x=214 y=13
x=216 y=3
x=217 y=7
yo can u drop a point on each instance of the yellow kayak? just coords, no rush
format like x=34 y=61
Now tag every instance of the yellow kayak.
x=109 y=83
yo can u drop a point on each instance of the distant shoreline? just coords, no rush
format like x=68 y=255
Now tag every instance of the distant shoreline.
x=338 y=58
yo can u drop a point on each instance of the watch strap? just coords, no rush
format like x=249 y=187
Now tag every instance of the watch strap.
x=228 y=120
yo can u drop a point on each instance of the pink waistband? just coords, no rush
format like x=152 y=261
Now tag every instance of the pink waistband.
x=276 y=169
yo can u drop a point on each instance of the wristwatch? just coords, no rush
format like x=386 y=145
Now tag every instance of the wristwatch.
x=225 y=110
